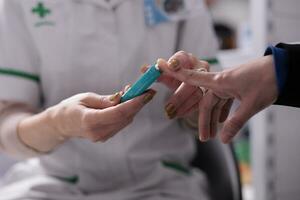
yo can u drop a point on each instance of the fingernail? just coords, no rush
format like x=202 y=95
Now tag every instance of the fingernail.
x=174 y=64
x=170 y=111
x=149 y=97
x=114 y=97
x=127 y=87
x=143 y=68
x=158 y=63
x=203 y=138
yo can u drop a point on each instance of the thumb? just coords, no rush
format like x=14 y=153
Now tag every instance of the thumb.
x=96 y=101
x=234 y=124
x=192 y=76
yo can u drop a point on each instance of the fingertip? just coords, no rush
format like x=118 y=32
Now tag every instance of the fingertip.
x=170 y=110
x=144 y=68
x=184 y=60
x=126 y=88
x=115 y=98
x=202 y=139
x=162 y=63
x=149 y=95
x=150 y=91
x=143 y=99
x=174 y=64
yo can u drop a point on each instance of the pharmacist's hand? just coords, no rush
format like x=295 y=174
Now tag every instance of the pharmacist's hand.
x=252 y=83
x=185 y=97
x=94 y=116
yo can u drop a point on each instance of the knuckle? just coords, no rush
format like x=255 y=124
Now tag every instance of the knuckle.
x=85 y=119
x=87 y=95
x=219 y=78
x=181 y=53
x=73 y=98
x=190 y=75
x=223 y=79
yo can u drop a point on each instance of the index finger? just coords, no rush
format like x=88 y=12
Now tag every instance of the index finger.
x=191 y=76
x=186 y=60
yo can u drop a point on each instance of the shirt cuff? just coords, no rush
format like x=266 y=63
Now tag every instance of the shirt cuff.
x=9 y=139
x=280 y=60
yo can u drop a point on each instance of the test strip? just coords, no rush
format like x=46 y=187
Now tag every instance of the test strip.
x=142 y=84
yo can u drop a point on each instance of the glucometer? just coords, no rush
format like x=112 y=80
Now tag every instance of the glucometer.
x=142 y=84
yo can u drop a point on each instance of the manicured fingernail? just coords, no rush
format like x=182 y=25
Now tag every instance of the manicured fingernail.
x=158 y=62
x=170 y=111
x=203 y=138
x=169 y=107
x=174 y=64
x=114 y=97
x=143 y=68
x=149 y=97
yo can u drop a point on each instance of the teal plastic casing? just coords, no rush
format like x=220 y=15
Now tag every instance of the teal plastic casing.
x=142 y=84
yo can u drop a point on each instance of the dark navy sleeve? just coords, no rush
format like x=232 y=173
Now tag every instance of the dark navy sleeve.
x=288 y=74
x=281 y=61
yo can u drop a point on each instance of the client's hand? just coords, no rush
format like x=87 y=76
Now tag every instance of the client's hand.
x=253 y=84
x=185 y=99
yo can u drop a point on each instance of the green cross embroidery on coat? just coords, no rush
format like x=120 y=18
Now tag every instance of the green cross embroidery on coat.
x=41 y=10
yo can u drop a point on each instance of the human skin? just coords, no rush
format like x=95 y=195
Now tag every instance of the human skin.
x=185 y=101
x=253 y=84
x=87 y=115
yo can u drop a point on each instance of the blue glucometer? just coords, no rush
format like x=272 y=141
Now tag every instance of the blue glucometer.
x=142 y=84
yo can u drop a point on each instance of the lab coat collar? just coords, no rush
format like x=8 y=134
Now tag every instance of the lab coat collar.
x=108 y=4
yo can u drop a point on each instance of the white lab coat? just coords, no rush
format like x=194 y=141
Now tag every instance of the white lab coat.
x=98 y=46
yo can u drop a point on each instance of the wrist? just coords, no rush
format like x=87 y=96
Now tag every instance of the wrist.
x=37 y=133
x=267 y=78
x=50 y=118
